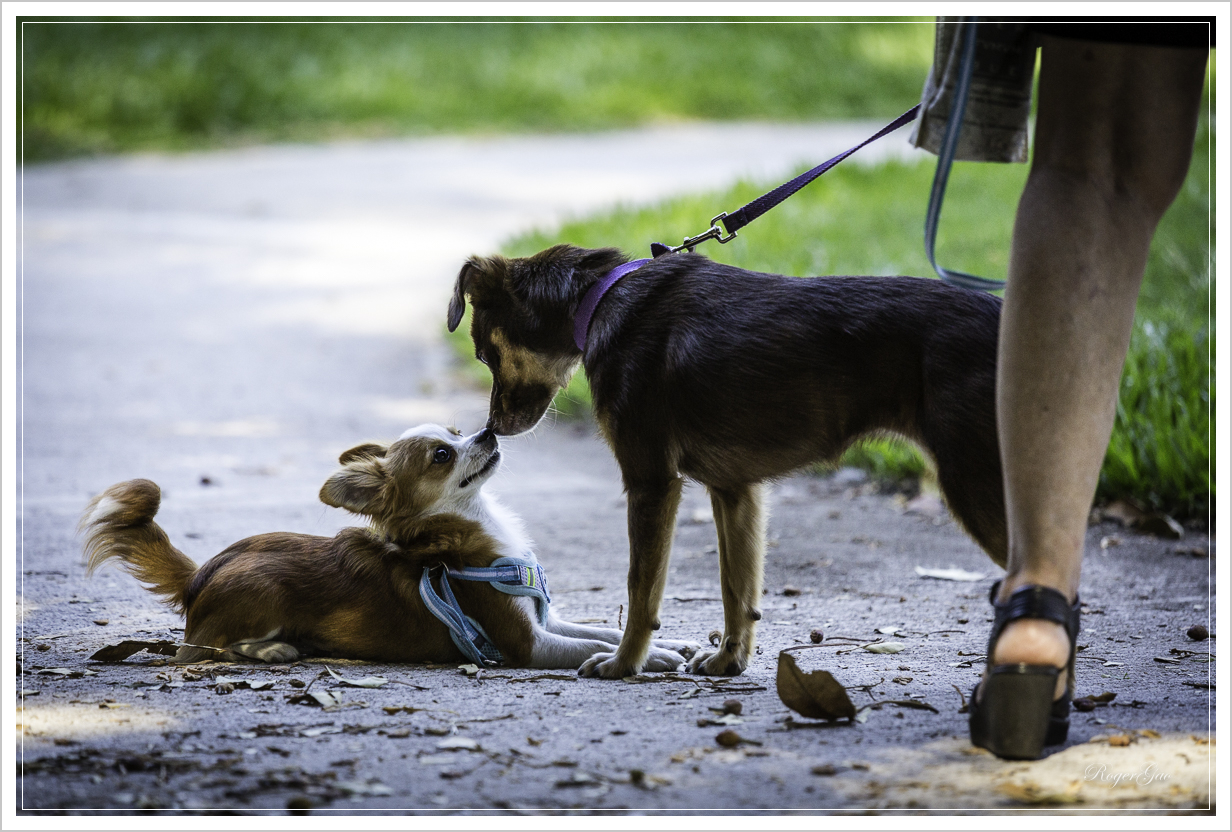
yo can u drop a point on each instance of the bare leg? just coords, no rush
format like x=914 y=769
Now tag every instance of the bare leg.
x=1113 y=143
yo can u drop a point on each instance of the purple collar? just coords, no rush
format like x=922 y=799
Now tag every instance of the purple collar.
x=586 y=311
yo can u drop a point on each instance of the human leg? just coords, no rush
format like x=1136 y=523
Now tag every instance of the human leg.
x=1113 y=142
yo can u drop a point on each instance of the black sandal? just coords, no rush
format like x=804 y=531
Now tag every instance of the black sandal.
x=1016 y=716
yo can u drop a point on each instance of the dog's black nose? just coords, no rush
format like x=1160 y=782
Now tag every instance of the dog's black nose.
x=484 y=435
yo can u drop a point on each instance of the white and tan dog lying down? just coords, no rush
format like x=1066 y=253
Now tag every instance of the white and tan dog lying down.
x=367 y=593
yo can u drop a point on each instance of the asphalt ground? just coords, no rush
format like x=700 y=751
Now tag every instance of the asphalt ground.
x=227 y=323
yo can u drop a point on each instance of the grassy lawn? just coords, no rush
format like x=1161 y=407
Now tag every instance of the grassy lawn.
x=103 y=87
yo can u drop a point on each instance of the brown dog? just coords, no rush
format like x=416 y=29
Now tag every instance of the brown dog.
x=359 y=594
x=733 y=378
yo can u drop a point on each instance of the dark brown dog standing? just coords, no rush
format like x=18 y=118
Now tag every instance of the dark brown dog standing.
x=733 y=378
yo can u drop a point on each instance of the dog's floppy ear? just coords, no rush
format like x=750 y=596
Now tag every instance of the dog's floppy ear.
x=356 y=486
x=367 y=449
x=477 y=275
x=457 y=304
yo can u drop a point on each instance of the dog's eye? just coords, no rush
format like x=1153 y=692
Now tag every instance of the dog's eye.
x=482 y=356
x=442 y=455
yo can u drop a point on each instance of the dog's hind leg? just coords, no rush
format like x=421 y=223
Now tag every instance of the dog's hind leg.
x=740 y=516
x=652 y=524
x=266 y=648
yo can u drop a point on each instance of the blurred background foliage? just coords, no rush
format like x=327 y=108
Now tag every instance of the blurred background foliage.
x=102 y=87
x=93 y=87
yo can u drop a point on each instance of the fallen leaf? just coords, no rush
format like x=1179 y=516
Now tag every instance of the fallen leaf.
x=951 y=574
x=1160 y=525
x=1032 y=794
x=1121 y=511
x=366 y=682
x=458 y=744
x=889 y=631
x=815 y=694
x=730 y=739
x=885 y=647
x=316 y=698
x=67 y=672
x=469 y=669
x=120 y=652
x=726 y=719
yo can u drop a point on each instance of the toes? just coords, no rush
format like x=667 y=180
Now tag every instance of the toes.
x=663 y=660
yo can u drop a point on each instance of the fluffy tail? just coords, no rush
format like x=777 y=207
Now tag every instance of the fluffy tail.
x=119 y=523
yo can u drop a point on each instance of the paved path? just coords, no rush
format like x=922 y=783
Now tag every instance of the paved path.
x=227 y=323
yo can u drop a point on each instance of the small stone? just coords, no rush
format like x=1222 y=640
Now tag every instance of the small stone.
x=224 y=687
x=825 y=770
x=299 y=805
x=1084 y=704
x=636 y=776
x=816 y=636
x=1198 y=633
x=791 y=591
x=733 y=706
x=728 y=738
x=963 y=620
x=102 y=622
x=42 y=648
x=297 y=683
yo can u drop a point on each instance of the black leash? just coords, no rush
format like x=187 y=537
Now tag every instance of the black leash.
x=740 y=218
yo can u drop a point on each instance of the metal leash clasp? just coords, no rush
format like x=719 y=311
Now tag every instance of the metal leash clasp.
x=711 y=233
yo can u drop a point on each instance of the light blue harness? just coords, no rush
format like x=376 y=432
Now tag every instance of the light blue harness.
x=513 y=576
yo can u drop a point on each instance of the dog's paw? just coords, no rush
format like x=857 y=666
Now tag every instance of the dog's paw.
x=717 y=663
x=688 y=649
x=270 y=652
x=607 y=666
x=660 y=660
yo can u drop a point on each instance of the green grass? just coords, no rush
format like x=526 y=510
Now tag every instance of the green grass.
x=103 y=87
x=869 y=220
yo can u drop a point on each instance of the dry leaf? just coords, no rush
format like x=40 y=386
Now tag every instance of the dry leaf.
x=458 y=744
x=951 y=574
x=317 y=698
x=1033 y=794
x=885 y=647
x=816 y=694
x=120 y=652
x=366 y=682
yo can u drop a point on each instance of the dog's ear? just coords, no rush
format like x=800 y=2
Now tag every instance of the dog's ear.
x=558 y=276
x=368 y=449
x=477 y=275
x=457 y=304
x=356 y=486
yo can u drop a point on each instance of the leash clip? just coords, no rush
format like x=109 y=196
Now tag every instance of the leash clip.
x=711 y=233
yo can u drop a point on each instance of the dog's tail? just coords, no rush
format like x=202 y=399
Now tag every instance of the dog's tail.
x=119 y=523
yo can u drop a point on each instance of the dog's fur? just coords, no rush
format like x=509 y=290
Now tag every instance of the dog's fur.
x=733 y=378
x=273 y=597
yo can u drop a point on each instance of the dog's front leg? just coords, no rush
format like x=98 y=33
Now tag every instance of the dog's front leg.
x=740 y=517
x=652 y=523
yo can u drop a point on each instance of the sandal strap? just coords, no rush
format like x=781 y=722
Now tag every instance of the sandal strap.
x=1039 y=602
